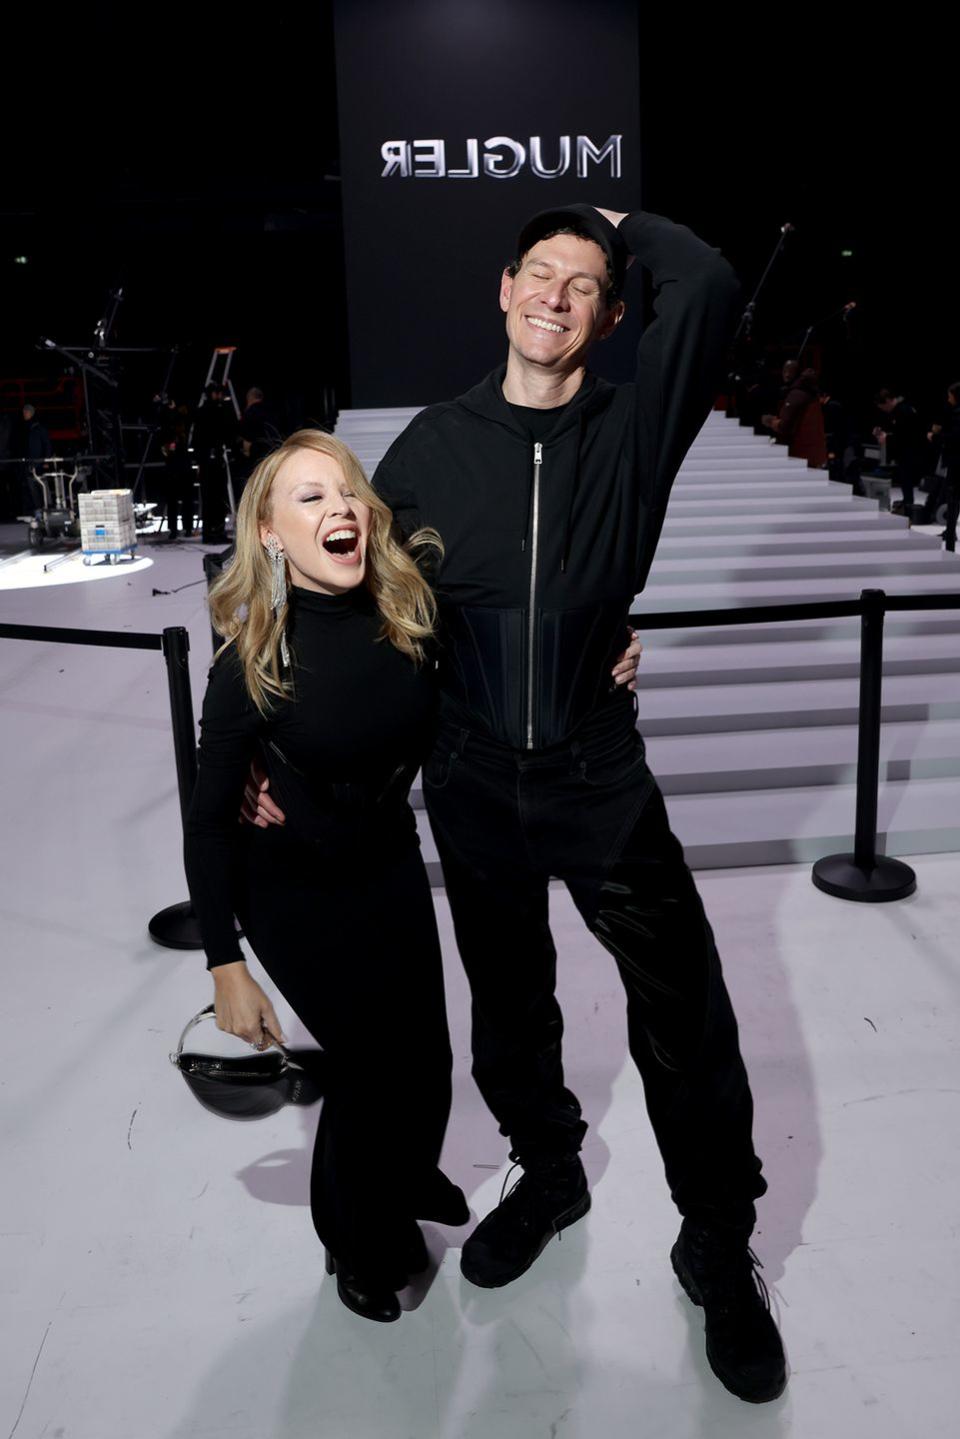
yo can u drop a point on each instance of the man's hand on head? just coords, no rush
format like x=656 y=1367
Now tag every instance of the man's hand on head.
x=614 y=216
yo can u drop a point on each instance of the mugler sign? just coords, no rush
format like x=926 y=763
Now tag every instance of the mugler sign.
x=502 y=159
x=543 y=94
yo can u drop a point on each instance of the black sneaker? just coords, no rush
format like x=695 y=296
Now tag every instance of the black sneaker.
x=548 y=1197
x=719 y=1273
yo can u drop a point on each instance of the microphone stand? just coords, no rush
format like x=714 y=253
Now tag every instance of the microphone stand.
x=746 y=319
x=843 y=310
x=744 y=330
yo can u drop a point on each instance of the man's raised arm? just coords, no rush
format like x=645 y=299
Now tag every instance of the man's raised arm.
x=681 y=354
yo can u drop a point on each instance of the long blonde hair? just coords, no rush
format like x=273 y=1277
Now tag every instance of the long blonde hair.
x=240 y=600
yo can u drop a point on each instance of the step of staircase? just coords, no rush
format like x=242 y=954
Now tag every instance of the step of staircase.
x=665 y=666
x=737 y=594
x=785 y=524
x=858 y=569
x=801 y=756
x=696 y=709
x=868 y=540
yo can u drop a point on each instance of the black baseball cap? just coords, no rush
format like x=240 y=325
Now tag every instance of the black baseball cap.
x=586 y=221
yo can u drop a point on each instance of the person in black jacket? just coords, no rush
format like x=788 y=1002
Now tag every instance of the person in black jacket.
x=214 y=435
x=173 y=425
x=946 y=438
x=903 y=431
x=38 y=448
x=549 y=488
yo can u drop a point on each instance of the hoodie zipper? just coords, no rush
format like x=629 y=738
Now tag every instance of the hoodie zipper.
x=534 y=556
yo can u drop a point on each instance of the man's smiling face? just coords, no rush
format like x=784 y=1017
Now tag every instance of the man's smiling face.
x=556 y=304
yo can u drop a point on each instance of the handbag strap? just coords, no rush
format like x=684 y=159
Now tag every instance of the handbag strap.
x=209 y=1012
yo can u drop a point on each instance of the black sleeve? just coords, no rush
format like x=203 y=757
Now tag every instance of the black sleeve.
x=392 y=484
x=681 y=353
x=229 y=733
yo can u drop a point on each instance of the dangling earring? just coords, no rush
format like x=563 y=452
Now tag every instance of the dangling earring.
x=278 y=589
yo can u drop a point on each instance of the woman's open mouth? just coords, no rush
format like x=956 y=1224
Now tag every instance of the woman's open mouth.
x=343 y=545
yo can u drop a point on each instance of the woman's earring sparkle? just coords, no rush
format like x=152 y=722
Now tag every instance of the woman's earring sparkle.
x=278 y=588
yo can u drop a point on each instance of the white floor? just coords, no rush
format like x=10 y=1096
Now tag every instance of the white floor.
x=160 y=1276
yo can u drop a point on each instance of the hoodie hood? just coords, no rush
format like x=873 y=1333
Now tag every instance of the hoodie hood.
x=487 y=400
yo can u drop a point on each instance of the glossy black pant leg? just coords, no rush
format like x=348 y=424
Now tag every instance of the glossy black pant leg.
x=354 y=950
x=499 y=904
x=593 y=817
x=213 y=498
x=682 y=1031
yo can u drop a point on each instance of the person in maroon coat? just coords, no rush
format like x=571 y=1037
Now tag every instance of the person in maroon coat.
x=799 y=423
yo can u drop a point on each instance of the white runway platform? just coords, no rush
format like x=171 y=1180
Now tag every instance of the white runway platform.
x=160 y=1275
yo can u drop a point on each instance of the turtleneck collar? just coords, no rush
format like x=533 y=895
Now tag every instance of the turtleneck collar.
x=350 y=602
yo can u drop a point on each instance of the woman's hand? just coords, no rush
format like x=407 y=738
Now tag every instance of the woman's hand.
x=242 y=1008
x=625 y=670
x=257 y=807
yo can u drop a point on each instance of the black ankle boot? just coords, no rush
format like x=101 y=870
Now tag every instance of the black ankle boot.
x=370 y=1299
x=718 y=1271
x=549 y=1195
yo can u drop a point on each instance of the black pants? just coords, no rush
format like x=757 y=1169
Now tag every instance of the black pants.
x=178 y=494
x=907 y=475
x=213 y=498
x=590 y=813
x=352 y=945
x=951 y=492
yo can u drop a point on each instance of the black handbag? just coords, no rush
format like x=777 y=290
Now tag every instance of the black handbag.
x=251 y=1087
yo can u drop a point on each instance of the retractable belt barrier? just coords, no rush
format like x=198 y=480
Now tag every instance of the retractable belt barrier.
x=863 y=875
x=176 y=927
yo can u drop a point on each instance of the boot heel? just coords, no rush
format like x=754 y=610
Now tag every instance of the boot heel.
x=330 y=1261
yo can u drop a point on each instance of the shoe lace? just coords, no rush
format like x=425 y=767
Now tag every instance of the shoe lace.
x=530 y=1197
x=759 y=1282
x=733 y=1280
x=506 y=1181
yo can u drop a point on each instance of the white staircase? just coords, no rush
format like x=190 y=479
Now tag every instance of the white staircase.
x=751 y=730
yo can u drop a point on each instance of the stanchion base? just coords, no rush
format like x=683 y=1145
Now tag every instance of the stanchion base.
x=840 y=875
x=176 y=927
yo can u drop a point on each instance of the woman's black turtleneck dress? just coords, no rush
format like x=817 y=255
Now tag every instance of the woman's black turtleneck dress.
x=336 y=905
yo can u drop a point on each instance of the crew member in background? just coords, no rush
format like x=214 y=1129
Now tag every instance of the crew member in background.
x=946 y=439
x=173 y=424
x=214 y=436
x=799 y=423
x=37 y=449
x=906 y=445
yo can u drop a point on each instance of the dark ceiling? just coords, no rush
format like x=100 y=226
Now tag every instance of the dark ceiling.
x=192 y=157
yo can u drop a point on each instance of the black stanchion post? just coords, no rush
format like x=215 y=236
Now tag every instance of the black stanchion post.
x=176 y=927
x=865 y=875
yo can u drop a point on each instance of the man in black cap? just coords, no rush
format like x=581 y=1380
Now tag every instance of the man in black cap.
x=549 y=488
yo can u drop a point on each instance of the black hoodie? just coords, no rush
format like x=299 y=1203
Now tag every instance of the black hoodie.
x=547 y=544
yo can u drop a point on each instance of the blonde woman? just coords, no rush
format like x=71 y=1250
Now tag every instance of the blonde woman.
x=326 y=674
